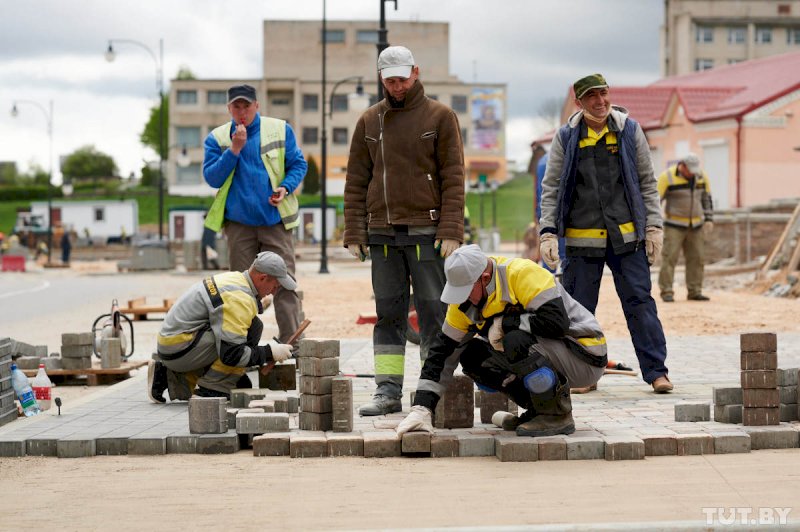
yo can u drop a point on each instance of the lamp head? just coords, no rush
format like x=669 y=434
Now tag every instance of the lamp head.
x=14 y=110
x=110 y=54
x=183 y=158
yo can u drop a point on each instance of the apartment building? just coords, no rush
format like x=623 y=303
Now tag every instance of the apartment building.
x=704 y=34
x=291 y=89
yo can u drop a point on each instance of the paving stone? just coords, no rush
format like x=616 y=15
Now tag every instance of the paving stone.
x=728 y=413
x=515 y=449
x=292 y=404
x=24 y=349
x=758 y=341
x=262 y=423
x=692 y=412
x=456 y=407
x=265 y=405
x=227 y=443
x=272 y=444
x=208 y=415
x=315 y=385
x=382 y=444
x=444 y=445
x=760 y=397
x=110 y=353
x=76 y=351
x=585 y=448
x=144 y=444
x=12 y=445
x=84 y=338
x=552 y=448
x=345 y=443
x=28 y=362
x=727 y=396
x=759 y=360
x=282 y=376
x=416 y=442
x=111 y=446
x=475 y=444
x=314 y=421
x=319 y=348
x=182 y=444
x=787 y=377
x=731 y=442
x=491 y=403
x=761 y=416
x=660 y=445
x=320 y=404
x=76 y=363
x=759 y=379
x=75 y=447
x=308 y=444
x=281 y=404
x=788 y=394
x=241 y=397
x=624 y=448
x=342 y=404
x=41 y=446
x=780 y=437
x=318 y=367
x=788 y=412
x=693 y=444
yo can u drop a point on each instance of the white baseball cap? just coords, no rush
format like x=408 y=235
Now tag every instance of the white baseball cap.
x=692 y=162
x=396 y=62
x=462 y=268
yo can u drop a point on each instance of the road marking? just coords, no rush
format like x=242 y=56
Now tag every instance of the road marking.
x=43 y=286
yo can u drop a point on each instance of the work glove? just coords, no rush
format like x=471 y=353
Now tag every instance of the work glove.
x=653 y=242
x=418 y=420
x=446 y=246
x=708 y=227
x=359 y=251
x=280 y=352
x=496 y=334
x=548 y=246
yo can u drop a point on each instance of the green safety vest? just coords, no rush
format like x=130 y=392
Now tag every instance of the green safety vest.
x=273 y=155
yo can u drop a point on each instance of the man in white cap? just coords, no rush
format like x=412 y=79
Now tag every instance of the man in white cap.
x=514 y=329
x=685 y=190
x=210 y=335
x=404 y=206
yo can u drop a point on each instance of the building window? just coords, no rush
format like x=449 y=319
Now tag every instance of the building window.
x=459 y=103
x=310 y=102
x=190 y=175
x=280 y=101
x=99 y=214
x=792 y=35
x=737 y=35
x=784 y=9
x=217 y=98
x=367 y=36
x=310 y=135
x=340 y=135
x=334 y=36
x=188 y=136
x=704 y=34
x=763 y=35
x=339 y=102
x=703 y=64
x=186 y=97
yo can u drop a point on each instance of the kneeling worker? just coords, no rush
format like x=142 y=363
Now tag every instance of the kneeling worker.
x=515 y=330
x=210 y=336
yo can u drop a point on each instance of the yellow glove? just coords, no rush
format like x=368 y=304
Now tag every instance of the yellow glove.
x=359 y=251
x=496 y=334
x=446 y=246
x=708 y=227
x=653 y=242
x=548 y=246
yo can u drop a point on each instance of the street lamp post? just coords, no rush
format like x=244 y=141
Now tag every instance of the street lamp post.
x=159 y=61
x=48 y=115
x=383 y=43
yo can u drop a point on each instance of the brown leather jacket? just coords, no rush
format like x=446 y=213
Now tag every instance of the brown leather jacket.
x=406 y=167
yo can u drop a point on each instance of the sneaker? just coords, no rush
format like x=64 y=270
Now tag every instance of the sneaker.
x=380 y=405
x=698 y=297
x=662 y=385
x=156 y=381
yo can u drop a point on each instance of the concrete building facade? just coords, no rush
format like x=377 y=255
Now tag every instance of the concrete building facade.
x=703 y=34
x=291 y=89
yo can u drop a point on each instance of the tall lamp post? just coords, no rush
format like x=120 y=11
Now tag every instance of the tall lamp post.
x=383 y=43
x=48 y=115
x=110 y=56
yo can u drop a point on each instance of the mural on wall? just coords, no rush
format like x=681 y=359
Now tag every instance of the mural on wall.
x=487 y=119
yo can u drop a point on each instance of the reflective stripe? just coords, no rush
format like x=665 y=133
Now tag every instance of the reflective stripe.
x=684 y=220
x=586 y=242
x=182 y=338
x=389 y=364
x=417 y=252
x=585 y=233
x=430 y=386
x=274 y=145
x=627 y=228
x=453 y=333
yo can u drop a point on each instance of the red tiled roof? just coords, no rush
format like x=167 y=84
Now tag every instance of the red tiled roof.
x=646 y=105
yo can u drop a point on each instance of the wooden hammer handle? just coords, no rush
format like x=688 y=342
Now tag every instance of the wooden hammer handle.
x=266 y=368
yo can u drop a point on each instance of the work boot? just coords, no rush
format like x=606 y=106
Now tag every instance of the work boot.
x=156 y=381
x=553 y=416
x=662 y=385
x=698 y=297
x=380 y=405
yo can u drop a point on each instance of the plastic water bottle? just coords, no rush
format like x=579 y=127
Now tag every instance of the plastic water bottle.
x=42 y=388
x=24 y=392
x=540 y=381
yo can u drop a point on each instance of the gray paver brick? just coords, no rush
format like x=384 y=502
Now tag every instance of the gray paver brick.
x=456 y=407
x=758 y=341
x=318 y=367
x=444 y=445
x=314 y=421
x=111 y=446
x=475 y=445
x=780 y=437
x=760 y=416
x=382 y=444
x=491 y=403
x=182 y=443
x=273 y=444
x=731 y=442
x=416 y=442
x=315 y=385
x=318 y=348
x=692 y=412
x=552 y=448
x=227 y=443
x=728 y=413
x=147 y=444
x=309 y=444
x=208 y=415
x=76 y=447
x=788 y=412
x=262 y=423
x=511 y=448
x=787 y=377
x=345 y=443
x=41 y=446
x=342 y=404
x=788 y=394
x=624 y=448
x=660 y=445
x=692 y=444
x=585 y=448
x=727 y=396
x=320 y=404
x=11 y=445
x=241 y=397
x=265 y=405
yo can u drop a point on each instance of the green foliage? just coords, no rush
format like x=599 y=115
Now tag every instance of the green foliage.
x=149 y=176
x=27 y=192
x=185 y=73
x=514 y=207
x=88 y=162
x=151 y=136
x=311 y=181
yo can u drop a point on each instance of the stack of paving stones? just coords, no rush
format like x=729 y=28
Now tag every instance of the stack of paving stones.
x=759 y=377
x=26 y=356
x=318 y=362
x=787 y=391
x=76 y=350
x=8 y=410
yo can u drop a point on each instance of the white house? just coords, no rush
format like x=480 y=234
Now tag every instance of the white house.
x=186 y=223
x=103 y=218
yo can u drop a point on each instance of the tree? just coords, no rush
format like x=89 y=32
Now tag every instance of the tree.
x=311 y=181
x=184 y=73
x=88 y=162
x=149 y=176
x=151 y=136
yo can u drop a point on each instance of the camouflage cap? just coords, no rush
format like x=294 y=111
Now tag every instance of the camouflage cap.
x=585 y=84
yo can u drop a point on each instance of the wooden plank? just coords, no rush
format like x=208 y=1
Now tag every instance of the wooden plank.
x=138 y=302
x=97 y=370
x=778 y=248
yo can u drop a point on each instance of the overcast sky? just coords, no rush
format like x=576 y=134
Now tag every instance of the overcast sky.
x=53 y=50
